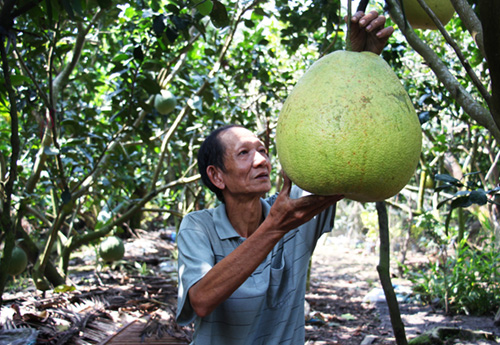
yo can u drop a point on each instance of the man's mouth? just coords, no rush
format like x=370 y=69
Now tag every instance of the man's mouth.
x=262 y=175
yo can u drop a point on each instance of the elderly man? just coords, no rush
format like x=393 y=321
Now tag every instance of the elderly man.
x=243 y=265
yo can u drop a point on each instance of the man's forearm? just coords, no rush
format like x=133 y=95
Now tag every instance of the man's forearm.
x=231 y=272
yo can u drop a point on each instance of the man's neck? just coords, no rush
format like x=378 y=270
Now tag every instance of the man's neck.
x=244 y=215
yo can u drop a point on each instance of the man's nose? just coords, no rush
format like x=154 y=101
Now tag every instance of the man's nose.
x=259 y=158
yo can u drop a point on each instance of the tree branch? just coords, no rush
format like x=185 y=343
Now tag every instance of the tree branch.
x=475 y=80
x=383 y=269
x=40 y=159
x=471 y=22
x=26 y=70
x=6 y=223
x=473 y=108
x=62 y=78
x=164 y=79
x=488 y=11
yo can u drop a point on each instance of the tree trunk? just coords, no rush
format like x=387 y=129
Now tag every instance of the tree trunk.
x=383 y=269
x=488 y=15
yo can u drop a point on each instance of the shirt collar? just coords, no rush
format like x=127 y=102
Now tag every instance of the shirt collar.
x=224 y=228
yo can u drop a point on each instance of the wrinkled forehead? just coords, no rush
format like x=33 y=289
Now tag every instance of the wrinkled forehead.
x=236 y=136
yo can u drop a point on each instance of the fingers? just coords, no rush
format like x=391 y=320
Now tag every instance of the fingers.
x=328 y=199
x=385 y=33
x=369 y=32
x=374 y=25
x=311 y=205
x=376 y=45
x=287 y=214
x=287 y=184
x=362 y=18
x=318 y=202
x=370 y=22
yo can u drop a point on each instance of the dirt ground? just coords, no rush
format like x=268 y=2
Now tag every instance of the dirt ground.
x=338 y=311
x=344 y=280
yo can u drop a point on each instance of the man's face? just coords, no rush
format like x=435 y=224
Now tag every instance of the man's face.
x=247 y=164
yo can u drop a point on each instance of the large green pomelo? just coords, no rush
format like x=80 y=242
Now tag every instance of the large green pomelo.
x=18 y=261
x=112 y=249
x=165 y=102
x=419 y=19
x=348 y=127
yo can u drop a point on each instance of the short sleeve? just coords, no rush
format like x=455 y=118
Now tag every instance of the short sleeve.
x=319 y=225
x=195 y=259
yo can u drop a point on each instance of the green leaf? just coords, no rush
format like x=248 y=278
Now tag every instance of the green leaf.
x=494 y=191
x=18 y=80
x=159 y=25
x=138 y=54
x=348 y=317
x=171 y=34
x=66 y=196
x=64 y=288
x=196 y=103
x=77 y=7
x=69 y=9
x=478 y=197
x=258 y=14
x=120 y=57
x=448 y=179
x=461 y=199
x=249 y=23
x=173 y=9
x=219 y=15
x=205 y=7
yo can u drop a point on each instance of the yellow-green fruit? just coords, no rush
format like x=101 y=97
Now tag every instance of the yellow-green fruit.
x=165 y=102
x=112 y=249
x=18 y=261
x=419 y=19
x=429 y=182
x=348 y=127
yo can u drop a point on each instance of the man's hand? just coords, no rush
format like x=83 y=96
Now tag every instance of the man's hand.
x=287 y=214
x=368 y=32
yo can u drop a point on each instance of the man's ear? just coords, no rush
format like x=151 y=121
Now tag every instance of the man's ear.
x=215 y=176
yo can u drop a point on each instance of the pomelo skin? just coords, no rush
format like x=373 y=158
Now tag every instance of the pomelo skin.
x=165 y=102
x=419 y=19
x=348 y=127
x=18 y=261
x=112 y=249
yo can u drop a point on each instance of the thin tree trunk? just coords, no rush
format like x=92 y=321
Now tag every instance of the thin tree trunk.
x=385 y=277
x=7 y=225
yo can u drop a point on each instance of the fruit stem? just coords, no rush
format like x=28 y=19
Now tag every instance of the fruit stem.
x=349 y=15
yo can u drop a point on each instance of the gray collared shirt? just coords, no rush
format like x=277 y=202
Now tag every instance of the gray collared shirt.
x=268 y=308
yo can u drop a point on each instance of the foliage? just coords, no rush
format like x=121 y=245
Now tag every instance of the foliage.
x=468 y=282
x=83 y=150
x=457 y=145
x=470 y=193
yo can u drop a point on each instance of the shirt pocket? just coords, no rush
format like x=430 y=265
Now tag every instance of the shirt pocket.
x=281 y=282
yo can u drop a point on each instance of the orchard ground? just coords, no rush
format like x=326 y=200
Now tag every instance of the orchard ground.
x=347 y=306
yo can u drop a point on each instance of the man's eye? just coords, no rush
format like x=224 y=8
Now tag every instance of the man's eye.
x=244 y=152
